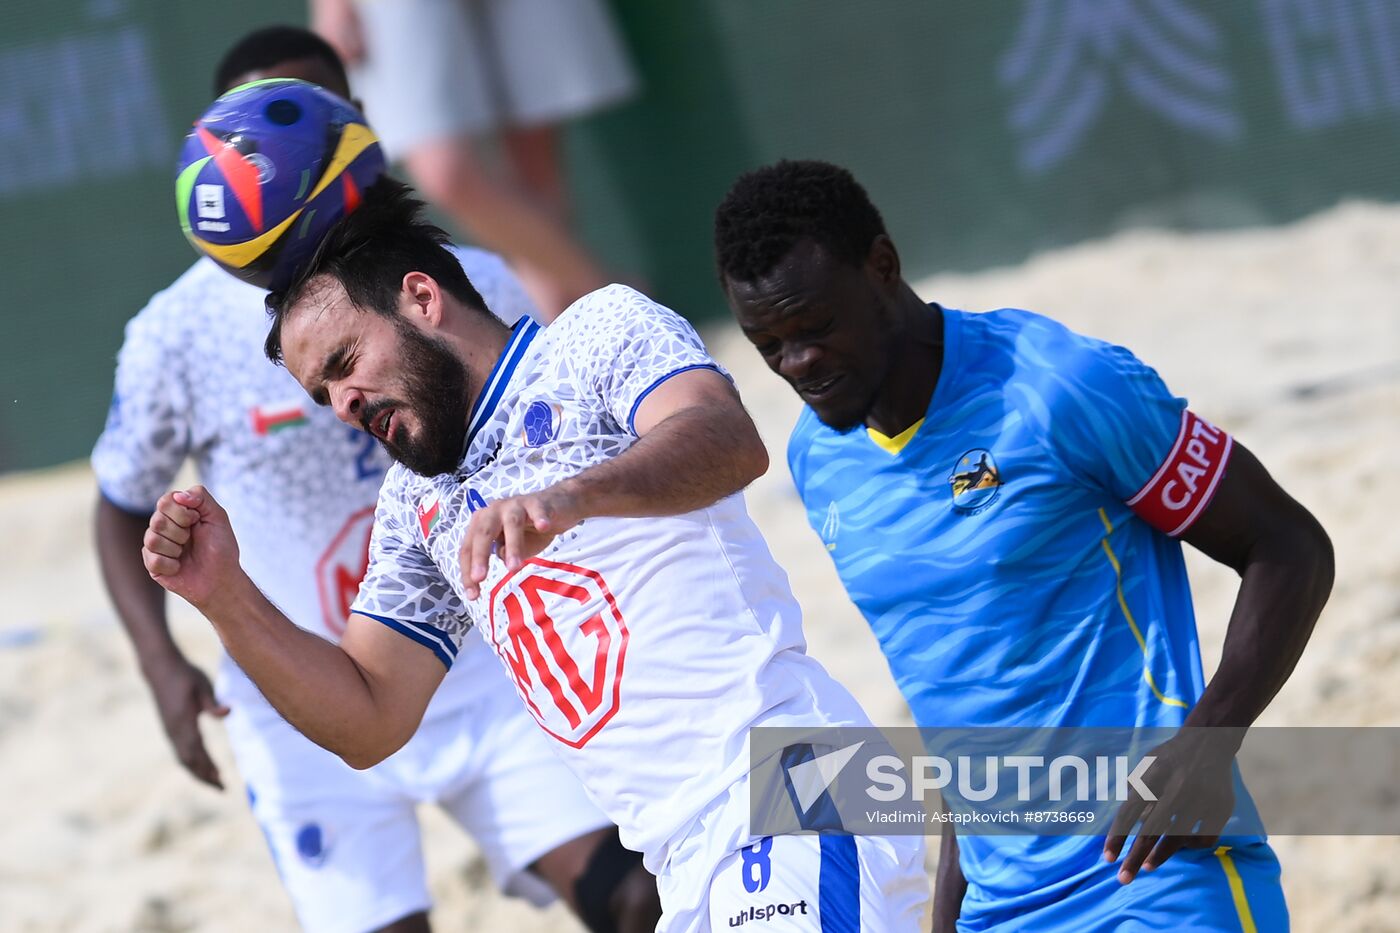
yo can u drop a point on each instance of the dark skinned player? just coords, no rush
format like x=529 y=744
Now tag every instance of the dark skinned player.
x=1005 y=501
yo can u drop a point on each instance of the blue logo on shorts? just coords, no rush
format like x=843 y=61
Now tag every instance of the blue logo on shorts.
x=756 y=864
x=311 y=845
x=539 y=423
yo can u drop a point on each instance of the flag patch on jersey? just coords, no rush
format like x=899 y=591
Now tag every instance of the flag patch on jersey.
x=429 y=510
x=269 y=419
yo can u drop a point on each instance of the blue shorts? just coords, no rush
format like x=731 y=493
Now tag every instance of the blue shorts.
x=1227 y=890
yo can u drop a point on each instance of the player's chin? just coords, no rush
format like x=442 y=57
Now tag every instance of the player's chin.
x=423 y=458
x=840 y=415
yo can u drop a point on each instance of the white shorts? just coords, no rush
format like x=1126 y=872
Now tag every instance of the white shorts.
x=812 y=884
x=440 y=69
x=346 y=843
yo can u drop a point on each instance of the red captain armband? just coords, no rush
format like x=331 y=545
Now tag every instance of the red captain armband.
x=1182 y=487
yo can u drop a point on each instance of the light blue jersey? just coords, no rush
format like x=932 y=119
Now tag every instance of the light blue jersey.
x=993 y=551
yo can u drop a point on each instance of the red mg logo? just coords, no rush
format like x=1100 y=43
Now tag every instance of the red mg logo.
x=340 y=570
x=558 y=630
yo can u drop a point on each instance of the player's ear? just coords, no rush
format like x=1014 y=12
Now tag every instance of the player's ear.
x=882 y=261
x=420 y=297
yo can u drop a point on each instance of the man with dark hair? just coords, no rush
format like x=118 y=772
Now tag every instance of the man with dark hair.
x=282 y=52
x=1003 y=500
x=301 y=487
x=573 y=494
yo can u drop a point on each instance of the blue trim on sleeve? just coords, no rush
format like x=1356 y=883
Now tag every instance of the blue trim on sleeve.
x=632 y=415
x=838 y=885
x=415 y=632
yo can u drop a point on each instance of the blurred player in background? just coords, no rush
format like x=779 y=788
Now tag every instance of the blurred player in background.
x=1003 y=500
x=192 y=382
x=439 y=76
x=572 y=493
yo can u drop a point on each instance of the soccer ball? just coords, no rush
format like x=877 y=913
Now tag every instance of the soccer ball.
x=266 y=170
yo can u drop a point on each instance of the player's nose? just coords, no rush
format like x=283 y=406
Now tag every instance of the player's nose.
x=797 y=360
x=349 y=405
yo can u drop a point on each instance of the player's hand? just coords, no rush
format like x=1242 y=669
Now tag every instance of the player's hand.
x=182 y=692
x=337 y=23
x=1193 y=781
x=189 y=547
x=517 y=529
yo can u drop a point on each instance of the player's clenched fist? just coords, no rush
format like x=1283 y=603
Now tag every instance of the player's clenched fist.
x=189 y=547
x=517 y=529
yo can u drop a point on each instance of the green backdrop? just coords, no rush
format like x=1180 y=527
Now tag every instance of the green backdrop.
x=984 y=130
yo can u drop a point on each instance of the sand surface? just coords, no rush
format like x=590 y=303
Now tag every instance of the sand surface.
x=1289 y=338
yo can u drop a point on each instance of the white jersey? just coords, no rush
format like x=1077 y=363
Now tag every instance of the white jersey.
x=299 y=486
x=646 y=647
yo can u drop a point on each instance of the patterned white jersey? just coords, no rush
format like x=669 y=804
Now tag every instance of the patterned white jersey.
x=299 y=486
x=646 y=647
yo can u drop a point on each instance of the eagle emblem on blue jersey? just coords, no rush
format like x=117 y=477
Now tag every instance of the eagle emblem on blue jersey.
x=975 y=480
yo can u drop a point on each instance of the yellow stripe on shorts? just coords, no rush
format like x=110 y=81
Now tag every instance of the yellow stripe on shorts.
x=1232 y=874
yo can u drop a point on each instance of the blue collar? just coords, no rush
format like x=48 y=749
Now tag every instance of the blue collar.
x=521 y=335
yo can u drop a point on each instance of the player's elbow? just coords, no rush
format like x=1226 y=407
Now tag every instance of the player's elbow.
x=747 y=453
x=365 y=757
x=1321 y=557
x=361 y=761
x=755 y=460
x=371 y=748
x=1300 y=544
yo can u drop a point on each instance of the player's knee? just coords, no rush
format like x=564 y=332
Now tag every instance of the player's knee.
x=615 y=893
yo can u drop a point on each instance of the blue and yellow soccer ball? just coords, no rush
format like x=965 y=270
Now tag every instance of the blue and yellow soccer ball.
x=267 y=169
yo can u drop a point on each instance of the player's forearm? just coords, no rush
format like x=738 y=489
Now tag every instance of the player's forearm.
x=139 y=600
x=1285 y=583
x=949 y=885
x=313 y=683
x=690 y=460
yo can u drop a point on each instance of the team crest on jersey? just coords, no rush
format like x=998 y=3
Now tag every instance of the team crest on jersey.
x=540 y=424
x=429 y=511
x=975 y=480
